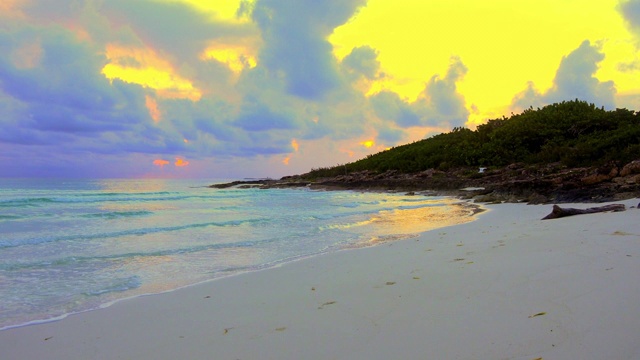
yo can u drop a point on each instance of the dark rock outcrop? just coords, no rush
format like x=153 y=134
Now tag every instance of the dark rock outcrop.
x=534 y=184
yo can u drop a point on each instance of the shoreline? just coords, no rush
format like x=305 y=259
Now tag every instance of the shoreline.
x=466 y=212
x=505 y=285
x=516 y=183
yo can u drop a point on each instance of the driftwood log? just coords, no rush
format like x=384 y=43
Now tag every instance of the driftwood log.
x=559 y=212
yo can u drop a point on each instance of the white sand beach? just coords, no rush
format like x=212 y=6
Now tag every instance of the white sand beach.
x=506 y=286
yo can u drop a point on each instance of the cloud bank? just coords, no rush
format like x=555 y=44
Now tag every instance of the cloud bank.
x=94 y=88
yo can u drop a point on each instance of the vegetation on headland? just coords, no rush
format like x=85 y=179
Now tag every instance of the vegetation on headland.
x=566 y=152
x=573 y=133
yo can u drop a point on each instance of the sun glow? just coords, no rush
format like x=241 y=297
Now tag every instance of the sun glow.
x=368 y=143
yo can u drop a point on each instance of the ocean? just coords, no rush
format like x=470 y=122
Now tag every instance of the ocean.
x=68 y=246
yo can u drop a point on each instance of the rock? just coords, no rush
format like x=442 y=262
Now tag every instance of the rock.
x=249 y=186
x=614 y=172
x=489 y=198
x=515 y=166
x=627 y=180
x=535 y=184
x=537 y=199
x=624 y=196
x=594 y=179
x=430 y=173
x=631 y=168
x=619 y=181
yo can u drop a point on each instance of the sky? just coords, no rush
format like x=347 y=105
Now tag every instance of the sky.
x=268 y=88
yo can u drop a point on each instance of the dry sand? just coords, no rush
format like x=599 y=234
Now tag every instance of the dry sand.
x=507 y=286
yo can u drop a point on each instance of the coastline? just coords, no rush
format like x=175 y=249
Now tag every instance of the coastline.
x=507 y=285
x=517 y=183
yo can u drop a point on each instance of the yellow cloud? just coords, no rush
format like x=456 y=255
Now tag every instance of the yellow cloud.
x=144 y=67
x=236 y=56
x=224 y=10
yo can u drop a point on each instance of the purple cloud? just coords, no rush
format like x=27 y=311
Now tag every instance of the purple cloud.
x=295 y=42
x=439 y=103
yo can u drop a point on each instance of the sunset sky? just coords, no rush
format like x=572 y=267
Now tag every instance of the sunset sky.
x=227 y=89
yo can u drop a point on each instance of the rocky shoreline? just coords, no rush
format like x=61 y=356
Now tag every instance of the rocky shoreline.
x=516 y=183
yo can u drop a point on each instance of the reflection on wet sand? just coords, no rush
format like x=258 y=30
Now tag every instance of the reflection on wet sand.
x=403 y=224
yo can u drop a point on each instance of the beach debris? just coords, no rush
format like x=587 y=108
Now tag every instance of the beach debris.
x=325 y=304
x=416 y=278
x=538 y=314
x=226 y=331
x=458 y=259
x=281 y=328
x=559 y=212
x=390 y=283
x=313 y=289
x=622 y=233
x=48 y=338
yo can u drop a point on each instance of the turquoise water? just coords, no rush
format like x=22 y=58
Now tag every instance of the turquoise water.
x=68 y=246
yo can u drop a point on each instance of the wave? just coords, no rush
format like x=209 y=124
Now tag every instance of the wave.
x=10 y=217
x=352 y=205
x=26 y=202
x=346 y=225
x=391 y=207
x=119 y=285
x=143 y=231
x=116 y=214
x=101 y=194
x=82 y=260
x=101 y=198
